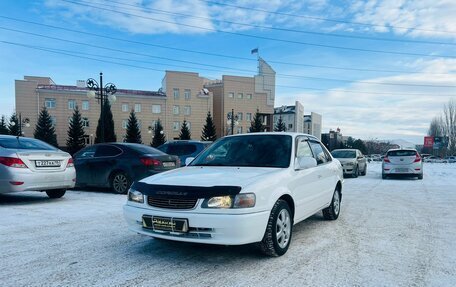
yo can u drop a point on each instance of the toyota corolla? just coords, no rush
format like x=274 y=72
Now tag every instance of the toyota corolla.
x=249 y=188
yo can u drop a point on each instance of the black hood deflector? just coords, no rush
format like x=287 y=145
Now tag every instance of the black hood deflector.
x=179 y=191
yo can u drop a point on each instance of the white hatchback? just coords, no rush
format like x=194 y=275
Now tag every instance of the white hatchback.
x=402 y=162
x=28 y=164
x=242 y=189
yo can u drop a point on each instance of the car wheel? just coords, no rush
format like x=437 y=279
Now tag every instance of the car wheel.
x=120 y=182
x=364 y=171
x=355 y=172
x=384 y=176
x=57 y=193
x=420 y=176
x=332 y=211
x=277 y=236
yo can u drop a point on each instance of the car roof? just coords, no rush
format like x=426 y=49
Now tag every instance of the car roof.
x=395 y=149
x=293 y=134
x=348 y=149
x=187 y=141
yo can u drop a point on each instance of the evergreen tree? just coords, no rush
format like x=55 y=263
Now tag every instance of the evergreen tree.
x=280 y=126
x=256 y=125
x=159 y=136
x=133 y=132
x=3 y=126
x=209 y=132
x=359 y=144
x=185 y=132
x=44 y=129
x=109 y=133
x=76 y=139
x=13 y=127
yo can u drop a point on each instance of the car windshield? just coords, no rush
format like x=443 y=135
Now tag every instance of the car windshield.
x=250 y=150
x=25 y=143
x=344 y=154
x=402 y=153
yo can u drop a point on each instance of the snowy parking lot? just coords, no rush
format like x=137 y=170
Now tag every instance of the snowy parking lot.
x=396 y=232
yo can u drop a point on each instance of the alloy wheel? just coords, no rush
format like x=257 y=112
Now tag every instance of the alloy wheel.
x=120 y=183
x=283 y=228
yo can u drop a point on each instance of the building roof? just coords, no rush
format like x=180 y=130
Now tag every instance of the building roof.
x=120 y=91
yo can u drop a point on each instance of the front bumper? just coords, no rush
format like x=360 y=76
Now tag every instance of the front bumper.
x=348 y=169
x=224 y=229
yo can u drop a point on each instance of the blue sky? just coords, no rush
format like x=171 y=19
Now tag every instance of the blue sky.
x=417 y=41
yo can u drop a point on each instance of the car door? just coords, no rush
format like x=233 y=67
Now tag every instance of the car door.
x=81 y=164
x=325 y=172
x=103 y=163
x=362 y=161
x=304 y=184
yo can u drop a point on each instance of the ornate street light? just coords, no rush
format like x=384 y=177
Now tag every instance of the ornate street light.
x=232 y=120
x=100 y=93
x=22 y=123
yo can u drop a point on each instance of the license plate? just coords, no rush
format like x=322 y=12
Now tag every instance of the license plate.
x=401 y=170
x=169 y=164
x=165 y=223
x=47 y=163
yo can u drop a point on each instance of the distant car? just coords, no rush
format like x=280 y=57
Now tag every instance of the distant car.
x=405 y=162
x=353 y=161
x=184 y=148
x=451 y=159
x=28 y=164
x=117 y=165
x=435 y=159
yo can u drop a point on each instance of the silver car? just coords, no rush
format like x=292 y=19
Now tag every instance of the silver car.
x=406 y=162
x=353 y=161
x=28 y=164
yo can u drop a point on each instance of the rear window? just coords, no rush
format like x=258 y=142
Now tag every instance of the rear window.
x=401 y=153
x=143 y=149
x=25 y=143
x=181 y=149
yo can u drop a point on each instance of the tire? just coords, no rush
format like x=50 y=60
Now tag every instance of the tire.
x=56 y=193
x=420 y=176
x=120 y=182
x=364 y=171
x=384 y=176
x=355 y=172
x=333 y=210
x=280 y=218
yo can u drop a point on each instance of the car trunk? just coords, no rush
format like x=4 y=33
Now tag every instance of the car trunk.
x=44 y=161
x=160 y=162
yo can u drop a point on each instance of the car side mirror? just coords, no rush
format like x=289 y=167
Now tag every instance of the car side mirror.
x=305 y=162
x=188 y=160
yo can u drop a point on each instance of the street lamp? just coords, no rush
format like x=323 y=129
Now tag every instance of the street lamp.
x=232 y=120
x=22 y=122
x=100 y=93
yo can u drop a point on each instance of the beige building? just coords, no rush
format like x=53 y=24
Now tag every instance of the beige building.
x=312 y=124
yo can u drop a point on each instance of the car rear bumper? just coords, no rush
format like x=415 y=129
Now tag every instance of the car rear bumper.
x=410 y=169
x=16 y=180
x=224 y=229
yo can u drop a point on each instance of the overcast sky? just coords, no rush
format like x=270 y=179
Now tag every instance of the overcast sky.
x=375 y=69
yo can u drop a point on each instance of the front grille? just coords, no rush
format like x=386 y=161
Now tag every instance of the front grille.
x=171 y=203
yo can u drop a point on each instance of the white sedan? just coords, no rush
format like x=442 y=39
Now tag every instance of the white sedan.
x=249 y=188
x=30 y=164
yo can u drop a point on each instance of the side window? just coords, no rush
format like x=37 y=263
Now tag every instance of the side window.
x=107 y=150
x=319 y=153
x=86 y=153
x=303 y=149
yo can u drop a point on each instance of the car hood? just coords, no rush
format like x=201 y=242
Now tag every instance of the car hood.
x=211 y=176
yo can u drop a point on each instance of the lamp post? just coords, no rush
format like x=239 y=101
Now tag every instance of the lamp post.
x=100 y=93
x=22 y=122
x=232 y=120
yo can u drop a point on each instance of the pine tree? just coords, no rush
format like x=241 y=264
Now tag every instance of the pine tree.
x=159 y=136
x=209 y=131
x=13 y=127
x=76 y=139
x=133 y=132
x=185 y=132
x=44 y=129
x=109 y=133
x=3 y=126
x=280 y=126
x=256 y=125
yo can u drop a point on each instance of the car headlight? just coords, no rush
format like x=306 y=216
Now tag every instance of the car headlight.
x=135 y=196
x=243 y=200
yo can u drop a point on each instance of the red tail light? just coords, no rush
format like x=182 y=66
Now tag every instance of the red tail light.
x=12 y=162
x=70 y=162
x=386 y=159
x=147 y=161
x=178 y=162
x=417 y=158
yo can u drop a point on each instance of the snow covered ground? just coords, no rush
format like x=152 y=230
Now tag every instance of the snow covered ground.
x=397 y=232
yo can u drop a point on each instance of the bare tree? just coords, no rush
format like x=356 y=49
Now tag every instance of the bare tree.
x=449 y=125
x=436 y=128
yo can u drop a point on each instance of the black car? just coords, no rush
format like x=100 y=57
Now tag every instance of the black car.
x=184 y=148
x=117 y=165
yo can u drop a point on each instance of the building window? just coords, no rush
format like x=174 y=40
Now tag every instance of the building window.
x=187 y=110
x=176 y=126
x=50 y=103
x=240 y=95
x=124 y=124
x=248 y=117
x=239 y=130
x=85 y=105
x=230 y=95
x=290 y=126
x=176 y=94
x=137 y=108
x=175 y=110
x=187 y=94
x=54 y=121
x=156 y=109
x=85 y=122
x=139 y=124
x=124 y=107
x=239 y=115
x=249 y=96
x=71 y=104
